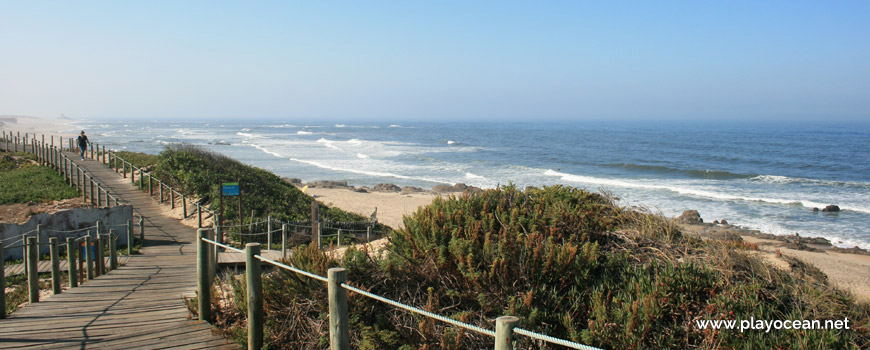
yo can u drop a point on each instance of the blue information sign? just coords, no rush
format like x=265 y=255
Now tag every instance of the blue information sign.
x=230 y=189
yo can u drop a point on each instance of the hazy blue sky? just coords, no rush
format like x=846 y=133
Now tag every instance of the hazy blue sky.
x=436 y=60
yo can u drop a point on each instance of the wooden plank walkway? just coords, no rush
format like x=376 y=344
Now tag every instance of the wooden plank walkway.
x=138 y=306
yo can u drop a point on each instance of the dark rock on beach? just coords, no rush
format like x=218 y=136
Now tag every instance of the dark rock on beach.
x=460 y=187
x=690 y=217
x=386 y=188
x=831 y=208
x=412 y=189
x=293 y=180
x=328 y=184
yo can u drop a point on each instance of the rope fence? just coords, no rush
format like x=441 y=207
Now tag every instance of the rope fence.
x=338 y=310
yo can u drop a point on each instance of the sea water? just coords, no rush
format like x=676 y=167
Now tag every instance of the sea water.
x=760 y=176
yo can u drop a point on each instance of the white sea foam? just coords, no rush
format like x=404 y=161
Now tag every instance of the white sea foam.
x=471 y=176
x=340 y=125
x=369 y=173
x=394 y=126
x=267 y=151
x=247 y=135
x=328 y=143
x=693 y=191
x=303 y=132
x=450 y=142
x=362 y=156
x=777 y=179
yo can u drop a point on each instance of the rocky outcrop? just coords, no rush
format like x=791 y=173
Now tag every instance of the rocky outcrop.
x=831 y=208
x=412 y=189
x=328 y=184
x=691 y=217
x=460 y=187
x=382 y=187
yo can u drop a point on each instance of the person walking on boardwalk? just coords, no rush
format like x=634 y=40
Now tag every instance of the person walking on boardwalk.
x=83 y=143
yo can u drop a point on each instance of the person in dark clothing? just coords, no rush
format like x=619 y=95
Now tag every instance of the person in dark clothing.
x=83 y=143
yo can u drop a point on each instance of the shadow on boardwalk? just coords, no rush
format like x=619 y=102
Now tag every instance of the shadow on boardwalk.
x=138 y=306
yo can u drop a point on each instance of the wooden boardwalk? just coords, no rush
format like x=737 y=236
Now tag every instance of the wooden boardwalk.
x=138 y=306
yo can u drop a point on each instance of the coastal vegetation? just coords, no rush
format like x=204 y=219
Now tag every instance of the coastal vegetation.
x=199 y=172
x=18 y=174
x=569 y=263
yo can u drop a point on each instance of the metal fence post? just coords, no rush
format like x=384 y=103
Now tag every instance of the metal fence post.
x=89 y=258
x=33 y=270
x=55 y=265
x=71 y=262
x=204 y=285
x=113 y=251
x=504 y=332
x=339 y=330
x=255 y=296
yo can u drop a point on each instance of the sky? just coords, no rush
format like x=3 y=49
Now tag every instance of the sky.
x=436 y=60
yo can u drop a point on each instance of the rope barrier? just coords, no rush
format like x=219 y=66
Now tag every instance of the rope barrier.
x=553 y=340
x=224 y=246
x=420 y=311
x=291 y=268
x=71 y=231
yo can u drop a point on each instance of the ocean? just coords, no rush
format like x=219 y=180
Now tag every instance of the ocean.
x=765 y=176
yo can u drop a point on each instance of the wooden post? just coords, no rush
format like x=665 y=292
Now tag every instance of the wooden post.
x=284 y=241
x=3 y=273
x=198 y=215
x=124 y=168
x=204 y=285
x=38 y=234
x=89 y=258
x=368 y=234
x=339 y=330
x=24 y=252
x=150 y=181
x=71 y=249
x=99 y=257
x=504 y=332
x=269 y=232
x=172 y=198
x=92 y=189
x=99 y=196
x=142 y=230
x=141 y=178
x=33 y=269
x=184 y=207
x=55 y=265
x=315 y=218
x=115 y=161
x=160 y=186
x=113 y=251
x=105 y=160
x=132 y=174
x=99 y=226
x=255 y=296
x=339 y=237
x=129 y=237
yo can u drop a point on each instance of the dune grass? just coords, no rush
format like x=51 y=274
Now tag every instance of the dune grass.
x=19 y=173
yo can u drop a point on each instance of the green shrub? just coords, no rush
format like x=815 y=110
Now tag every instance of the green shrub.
x=570 y=264
x=17 y=177
x=138 y=159
x=199 y=172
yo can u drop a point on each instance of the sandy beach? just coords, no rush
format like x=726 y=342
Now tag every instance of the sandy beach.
x=34 y=125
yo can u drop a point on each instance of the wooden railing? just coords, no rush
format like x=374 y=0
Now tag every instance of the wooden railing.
x=337 y=287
